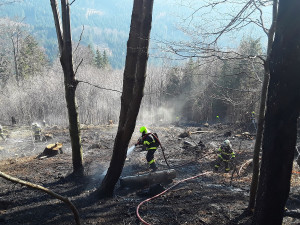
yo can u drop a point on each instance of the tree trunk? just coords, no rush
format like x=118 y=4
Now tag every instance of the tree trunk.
x=133 y=86
x=65 y=48
x=261 y=117
x=282 y=112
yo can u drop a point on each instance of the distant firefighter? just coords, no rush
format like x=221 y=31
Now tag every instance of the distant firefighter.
x=13 y=121
x=225 y=155
x=1 y=133
x=37 y=131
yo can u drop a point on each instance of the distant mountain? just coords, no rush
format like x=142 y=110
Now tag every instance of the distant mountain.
x=106 y=23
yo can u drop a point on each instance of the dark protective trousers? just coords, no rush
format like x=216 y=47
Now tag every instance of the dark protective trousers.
x=150 y=156
x=225 y=159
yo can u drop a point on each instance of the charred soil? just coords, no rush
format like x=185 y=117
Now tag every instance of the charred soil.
x=212 y=198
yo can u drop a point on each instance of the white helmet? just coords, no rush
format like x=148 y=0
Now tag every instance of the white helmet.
x=227 y=143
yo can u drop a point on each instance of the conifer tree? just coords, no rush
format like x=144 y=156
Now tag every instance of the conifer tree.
x=32 y=58
x=98 y=59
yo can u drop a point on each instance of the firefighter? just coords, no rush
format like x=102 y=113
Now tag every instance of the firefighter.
x=253 y=120
x=150 y=143
x=225 y=155
x=1 y=133
x=37 y=131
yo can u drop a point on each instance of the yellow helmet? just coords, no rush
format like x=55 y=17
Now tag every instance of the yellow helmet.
x=143 y=129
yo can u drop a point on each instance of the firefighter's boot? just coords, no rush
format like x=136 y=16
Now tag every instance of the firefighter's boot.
x=153 y=166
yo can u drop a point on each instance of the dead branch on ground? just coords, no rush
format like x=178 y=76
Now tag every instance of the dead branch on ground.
x=41 y=188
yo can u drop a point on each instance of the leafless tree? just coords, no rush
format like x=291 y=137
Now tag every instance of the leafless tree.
x=65 y=49
x=133 y=86
x=250 y=12
x=283 y=105
x=261 y=116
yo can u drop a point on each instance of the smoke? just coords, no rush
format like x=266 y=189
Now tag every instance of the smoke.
x=98 y=176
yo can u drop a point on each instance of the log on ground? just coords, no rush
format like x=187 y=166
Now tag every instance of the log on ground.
x=157 y=177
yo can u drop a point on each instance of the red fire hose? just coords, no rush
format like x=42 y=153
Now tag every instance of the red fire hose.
x=149 y=199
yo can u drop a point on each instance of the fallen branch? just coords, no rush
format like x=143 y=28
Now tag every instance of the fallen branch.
x=149 y=199
x=201 y=131
x=247 y=162
x=41 y=188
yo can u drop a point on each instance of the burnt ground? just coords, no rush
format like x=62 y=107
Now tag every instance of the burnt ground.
x=213 y=198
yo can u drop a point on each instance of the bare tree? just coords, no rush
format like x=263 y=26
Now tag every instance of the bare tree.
x=133 y=86
x=283 y=105
x=251 y=12
x=65 y=49
x=261 y=116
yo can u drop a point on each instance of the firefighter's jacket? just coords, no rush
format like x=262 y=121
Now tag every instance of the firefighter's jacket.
x=37 y=130
x=226 y=153
x=149 y=142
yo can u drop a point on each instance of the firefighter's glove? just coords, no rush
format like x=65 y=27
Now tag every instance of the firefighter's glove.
x=139 y=142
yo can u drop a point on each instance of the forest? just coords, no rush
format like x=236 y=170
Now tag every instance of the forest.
x=193 y=121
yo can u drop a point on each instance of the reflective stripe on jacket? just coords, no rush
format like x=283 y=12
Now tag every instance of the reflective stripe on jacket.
x=149 y=142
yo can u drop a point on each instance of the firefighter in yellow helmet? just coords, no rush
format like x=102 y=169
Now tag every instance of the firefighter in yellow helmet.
x=150 y=142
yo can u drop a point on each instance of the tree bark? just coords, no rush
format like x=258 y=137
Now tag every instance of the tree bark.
x=65 y=48
x=261 y=117
x=133 y=86
x=282 y=112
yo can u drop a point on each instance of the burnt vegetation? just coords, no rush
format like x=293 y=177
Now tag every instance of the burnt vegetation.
x=69 y=126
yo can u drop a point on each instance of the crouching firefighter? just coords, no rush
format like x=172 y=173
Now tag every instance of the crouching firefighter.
x=150 y=142
x=225 y=155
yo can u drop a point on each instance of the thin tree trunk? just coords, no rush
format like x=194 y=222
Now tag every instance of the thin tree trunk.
x=15 y=60
x=282 y=112
x=261 y=117
x=65 y=47
x=133 y=86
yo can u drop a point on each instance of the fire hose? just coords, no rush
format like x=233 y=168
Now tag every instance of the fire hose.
x=163 y=150
x=149 y=199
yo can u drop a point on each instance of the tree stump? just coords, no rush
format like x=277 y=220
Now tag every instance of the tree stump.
x=52 y=150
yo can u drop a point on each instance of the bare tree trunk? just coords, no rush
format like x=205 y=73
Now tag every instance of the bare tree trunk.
x=65 y=48
x=133 y=86
x=15 y=46
x=282 y=112
x=261 y=117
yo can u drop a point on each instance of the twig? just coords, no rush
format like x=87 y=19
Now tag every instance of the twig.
x=201 y=131
x=72 y=2
x=80 y=38
x=108 y=89
x=78 y=66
